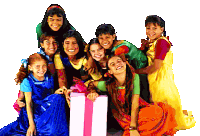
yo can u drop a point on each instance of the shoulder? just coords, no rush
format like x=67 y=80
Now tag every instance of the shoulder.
x=58 y=62
x=39 y=29
x=163 y=41
x=25 y=85
x=84 y=61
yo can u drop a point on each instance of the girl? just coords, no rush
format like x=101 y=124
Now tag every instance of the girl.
x=107 y=39
x=44 y=113
x=99 y=60
x=54 y=22
x=159 y=70
x=48 y=48
x=123 y=86
x=70 y=61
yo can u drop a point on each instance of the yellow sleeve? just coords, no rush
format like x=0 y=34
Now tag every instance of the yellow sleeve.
x=95 y=76
x=58 y=62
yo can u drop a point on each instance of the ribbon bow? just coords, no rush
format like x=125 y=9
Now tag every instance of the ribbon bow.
x=24 y=62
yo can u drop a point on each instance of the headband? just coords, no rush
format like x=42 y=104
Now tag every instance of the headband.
x=54 y=6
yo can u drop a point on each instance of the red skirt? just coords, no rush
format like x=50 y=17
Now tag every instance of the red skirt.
x=154 y=120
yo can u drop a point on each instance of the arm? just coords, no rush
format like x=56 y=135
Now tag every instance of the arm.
x=100 y=85
x=135 y=105
x=29 y=105
x=62 y=80
x=134 y=110
x=134 y=54
x=150 y=69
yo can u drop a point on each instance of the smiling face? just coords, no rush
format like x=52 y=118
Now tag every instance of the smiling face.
x=70 y=46
x=106 y=40
x=50 y=46
x=39 y=68
x=116 y=65
x=153 y=31
x=97 y=52
x=55 y=22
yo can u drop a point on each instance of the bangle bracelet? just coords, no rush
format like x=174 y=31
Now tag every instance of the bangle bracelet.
x=132 y=128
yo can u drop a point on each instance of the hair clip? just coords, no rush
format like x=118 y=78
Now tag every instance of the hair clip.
x=24 y=62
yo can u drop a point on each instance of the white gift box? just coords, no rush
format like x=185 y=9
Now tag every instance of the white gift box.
x=88 y=118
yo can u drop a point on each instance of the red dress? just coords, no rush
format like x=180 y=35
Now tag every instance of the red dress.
x=154 y=119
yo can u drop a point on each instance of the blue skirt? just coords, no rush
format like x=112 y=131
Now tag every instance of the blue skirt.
x=49 y=117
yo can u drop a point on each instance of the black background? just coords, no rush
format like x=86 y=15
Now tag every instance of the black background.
x=181 y=24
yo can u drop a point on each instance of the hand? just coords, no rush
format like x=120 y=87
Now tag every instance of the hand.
x=20 y=103
x=59 y=91
x=88 y=65
x=134 y=133
x=92 y=96
x=67 y=92
x=31 y=131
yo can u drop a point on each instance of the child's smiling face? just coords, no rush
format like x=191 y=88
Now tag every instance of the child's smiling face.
x=50 y=46
x=116 y=65
x=97 y=52
x=106 y=40
x=153 y=31
x=70 y=46
x=55 y=22
x=39 y=68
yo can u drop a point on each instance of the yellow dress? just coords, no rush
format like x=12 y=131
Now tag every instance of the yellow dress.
x=163 y=88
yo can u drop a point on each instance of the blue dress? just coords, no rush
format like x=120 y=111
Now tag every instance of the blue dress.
x=48 y=112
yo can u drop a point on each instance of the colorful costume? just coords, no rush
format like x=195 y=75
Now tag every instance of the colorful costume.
x=161 y=82
x=51 y=69
x=154 y=119
x=72 y=70
x=138 y=60
x=48 y=110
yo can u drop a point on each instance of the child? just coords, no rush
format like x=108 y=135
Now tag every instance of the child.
x=54 y=23
x=48 y=48
x=159 y=70
x=44 y=113
x=107 y=39
x=70 y=61
x=123 y=87
x=98 y=58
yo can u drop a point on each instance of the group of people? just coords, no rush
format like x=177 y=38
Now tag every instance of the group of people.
x=139 y=83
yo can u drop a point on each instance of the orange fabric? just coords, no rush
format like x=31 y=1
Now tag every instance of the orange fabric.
x=154 y=120
x=121 y=95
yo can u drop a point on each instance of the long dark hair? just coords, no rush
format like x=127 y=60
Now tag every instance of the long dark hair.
x=117 y=107
x=55 y=9
x=79 y=39
x=95 y=66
